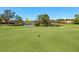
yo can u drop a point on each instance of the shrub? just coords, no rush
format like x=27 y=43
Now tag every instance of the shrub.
x=36 y=23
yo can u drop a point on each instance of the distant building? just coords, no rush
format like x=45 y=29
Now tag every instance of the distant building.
x=2 y=22
x=67 y=21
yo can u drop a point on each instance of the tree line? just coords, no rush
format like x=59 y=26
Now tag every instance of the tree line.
x=9 y=17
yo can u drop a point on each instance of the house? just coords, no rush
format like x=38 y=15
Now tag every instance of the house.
x=67 y=21
x=2 y=22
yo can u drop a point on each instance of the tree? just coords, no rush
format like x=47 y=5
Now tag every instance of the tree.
x=18 y=20
x=7 y=14
x=36 y=23
x=27 y=21
x=43 y=19
x=0 y=19
x=59 y=20
x=76 y=20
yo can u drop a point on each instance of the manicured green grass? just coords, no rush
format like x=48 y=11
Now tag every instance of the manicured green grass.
x=51 y=39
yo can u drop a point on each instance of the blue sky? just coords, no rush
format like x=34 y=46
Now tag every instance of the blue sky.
x=53 y=12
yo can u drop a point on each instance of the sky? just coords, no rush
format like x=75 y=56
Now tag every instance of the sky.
x=53 y=12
